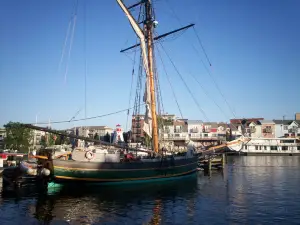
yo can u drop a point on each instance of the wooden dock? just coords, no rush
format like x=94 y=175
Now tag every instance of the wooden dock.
x=212 y=162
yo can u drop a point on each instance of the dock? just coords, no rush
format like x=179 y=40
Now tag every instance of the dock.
x=207 y=163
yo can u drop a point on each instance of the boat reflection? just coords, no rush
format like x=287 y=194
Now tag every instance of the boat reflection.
x=135 y=204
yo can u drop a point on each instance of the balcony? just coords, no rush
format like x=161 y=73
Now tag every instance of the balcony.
x=194 y=130
x=267 y=130
x=293 y=130
x=177 y=131
x=183 y=136
x=166 y=131
x=177 y=136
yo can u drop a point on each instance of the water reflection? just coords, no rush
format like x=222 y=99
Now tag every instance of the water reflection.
x=134 y=204
x=251 y=190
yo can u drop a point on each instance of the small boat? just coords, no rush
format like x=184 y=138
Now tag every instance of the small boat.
x=267 y=146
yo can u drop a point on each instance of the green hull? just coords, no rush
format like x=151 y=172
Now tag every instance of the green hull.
x=69 y=170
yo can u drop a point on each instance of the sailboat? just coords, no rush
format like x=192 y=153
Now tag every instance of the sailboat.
x=96 y=166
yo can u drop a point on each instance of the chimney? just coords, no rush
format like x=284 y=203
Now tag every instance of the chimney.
x=297 y=116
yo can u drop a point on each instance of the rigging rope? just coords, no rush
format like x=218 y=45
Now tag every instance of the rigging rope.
x=169 y=81
x=215 y=82
x=131 y=85
x=72 y=37
x=200 y=42
x=185 y=84
x=64 y=47
x=132 y=75
x=206 y=93
x=85 y=61
x=157 y=87
x=89 y=118
x=207 y=58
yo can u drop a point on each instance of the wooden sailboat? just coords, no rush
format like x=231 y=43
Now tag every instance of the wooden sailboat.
x=96 y=166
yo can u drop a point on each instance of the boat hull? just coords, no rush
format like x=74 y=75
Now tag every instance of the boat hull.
x=268 y=146
x=69 y=170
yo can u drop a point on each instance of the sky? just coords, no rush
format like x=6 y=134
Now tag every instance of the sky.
x=253 y=47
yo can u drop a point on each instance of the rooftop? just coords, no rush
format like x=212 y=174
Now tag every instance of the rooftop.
x=193 y=122
x=267 y=122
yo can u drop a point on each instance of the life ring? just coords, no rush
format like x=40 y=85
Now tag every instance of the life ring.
x=89 y=155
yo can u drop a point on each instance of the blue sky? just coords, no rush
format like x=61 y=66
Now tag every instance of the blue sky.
x=253 y=46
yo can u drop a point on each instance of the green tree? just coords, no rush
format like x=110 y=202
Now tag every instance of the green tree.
x=49 y=139
x=126 y=136
x=96 y=136
x=18 y=137
x=67 y=141
x=43 y=141
x=147 y=140
x=107 y=137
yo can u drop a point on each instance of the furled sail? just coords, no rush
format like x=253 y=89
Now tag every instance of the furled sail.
x=148 y=119
x=147 y=98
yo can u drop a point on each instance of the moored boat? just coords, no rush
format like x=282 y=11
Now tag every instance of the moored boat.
x=267 y=146
x=118 y=163
x=114 y=169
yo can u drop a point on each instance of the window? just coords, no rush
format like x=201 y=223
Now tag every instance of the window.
x=284 y=148
x=265 y=147
x=246 y=147
x=298 y=147
x=259 y=147
x=268 y=129
x=273 y=147
x=287 y=141
x=256 y=147
x=285 y=127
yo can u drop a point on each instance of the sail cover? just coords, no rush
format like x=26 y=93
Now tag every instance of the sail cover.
x=147 y=98
x=148 y=118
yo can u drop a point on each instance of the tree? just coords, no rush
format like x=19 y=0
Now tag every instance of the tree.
x=126 y=136
x=67 y=141
x=43 y=141
x=96 y=136
x=50 y=139
x=18 y=137
x=229 y=134
x=147 y=140
x=107 y=137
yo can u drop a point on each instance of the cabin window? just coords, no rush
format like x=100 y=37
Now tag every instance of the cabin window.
x=259 y=148
x=256 y=147
x=298 y=147
x=284 y=147
x=273 y=147
x=265 y=147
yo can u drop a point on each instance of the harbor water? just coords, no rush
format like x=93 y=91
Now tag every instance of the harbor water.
x=250 y=190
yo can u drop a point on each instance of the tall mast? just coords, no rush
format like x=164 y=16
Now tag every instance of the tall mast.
x=149 y=32
x=146 y=44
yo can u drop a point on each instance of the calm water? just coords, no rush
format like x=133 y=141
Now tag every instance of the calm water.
x=251 y=190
